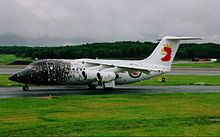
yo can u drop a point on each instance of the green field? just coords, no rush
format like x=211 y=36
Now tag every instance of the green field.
x=5 y=82
x=9 y=58
x=183 y=114
x=170 y=80
x=175 y=80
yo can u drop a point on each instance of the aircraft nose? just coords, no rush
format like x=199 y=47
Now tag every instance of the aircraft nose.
x=22 y=77
x=14 y=77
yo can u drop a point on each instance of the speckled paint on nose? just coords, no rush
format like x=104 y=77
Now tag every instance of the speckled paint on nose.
x=21 y=77
x=13 y=77
x=45 y=72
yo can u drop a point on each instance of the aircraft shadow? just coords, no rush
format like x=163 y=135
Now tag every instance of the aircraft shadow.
x=82 y=91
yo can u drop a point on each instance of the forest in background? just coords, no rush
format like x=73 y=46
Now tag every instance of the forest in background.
x=116 y=50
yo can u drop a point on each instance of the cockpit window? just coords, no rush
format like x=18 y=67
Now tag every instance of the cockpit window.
x=29 y=66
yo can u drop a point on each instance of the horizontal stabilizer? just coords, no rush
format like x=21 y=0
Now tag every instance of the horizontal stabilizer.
x=184 y=38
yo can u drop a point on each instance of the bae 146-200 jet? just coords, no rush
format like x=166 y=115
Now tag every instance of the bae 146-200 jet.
x=94 y=72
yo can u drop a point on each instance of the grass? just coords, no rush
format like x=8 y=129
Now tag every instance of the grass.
x=171 y=80
x=9 y=58
x=182 y=114
x=198 y=65
x=5 y=82
x=174 y=80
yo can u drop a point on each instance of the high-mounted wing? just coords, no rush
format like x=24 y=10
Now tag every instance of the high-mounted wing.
x=123 y=67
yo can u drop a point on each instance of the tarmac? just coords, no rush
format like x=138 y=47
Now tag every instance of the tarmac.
x=15 y=92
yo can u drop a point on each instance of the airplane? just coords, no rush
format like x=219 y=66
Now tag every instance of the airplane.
x=94 y=72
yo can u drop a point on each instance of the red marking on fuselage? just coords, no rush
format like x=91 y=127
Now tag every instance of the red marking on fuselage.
x=134 y=74
x=167 y=57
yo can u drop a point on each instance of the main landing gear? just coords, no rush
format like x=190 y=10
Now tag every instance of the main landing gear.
x=92 y=86
x=25 y=88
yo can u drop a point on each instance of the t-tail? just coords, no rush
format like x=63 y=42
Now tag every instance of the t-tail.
x=163 y=55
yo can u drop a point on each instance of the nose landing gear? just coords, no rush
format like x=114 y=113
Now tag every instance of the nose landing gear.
x=25 y=88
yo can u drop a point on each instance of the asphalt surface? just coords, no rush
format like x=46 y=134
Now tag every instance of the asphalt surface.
x=195 y=71
x=12 y=92
x=9 y=70
x=15 y=92
x=175 y=71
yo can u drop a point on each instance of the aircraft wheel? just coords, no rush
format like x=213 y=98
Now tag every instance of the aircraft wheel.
x=92 y=86
x=108 y=88
x=25 y=88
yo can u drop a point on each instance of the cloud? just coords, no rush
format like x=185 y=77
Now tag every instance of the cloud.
x=51 y=22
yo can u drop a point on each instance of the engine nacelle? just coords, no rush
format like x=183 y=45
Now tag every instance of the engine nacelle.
x=89 y=75
x=106 y=76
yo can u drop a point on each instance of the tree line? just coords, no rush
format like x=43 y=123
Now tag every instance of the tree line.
x=116 y=50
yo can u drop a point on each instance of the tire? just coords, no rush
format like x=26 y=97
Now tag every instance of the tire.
x=92 y=86
x=107 y=88
x=25 y=88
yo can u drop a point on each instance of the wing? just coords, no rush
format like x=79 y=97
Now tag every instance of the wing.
x=119 y=67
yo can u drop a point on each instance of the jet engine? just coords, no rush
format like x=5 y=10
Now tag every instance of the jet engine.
x=89 y=75
x=106 y=76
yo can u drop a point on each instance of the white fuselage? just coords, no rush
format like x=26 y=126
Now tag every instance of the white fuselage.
x=124 y=77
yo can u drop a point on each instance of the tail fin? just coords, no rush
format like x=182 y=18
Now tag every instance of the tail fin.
x=165 y=51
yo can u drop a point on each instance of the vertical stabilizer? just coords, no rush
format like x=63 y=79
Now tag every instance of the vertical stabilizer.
x=164 y=53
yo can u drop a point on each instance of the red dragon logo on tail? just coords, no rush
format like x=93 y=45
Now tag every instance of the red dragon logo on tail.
x=166 y=50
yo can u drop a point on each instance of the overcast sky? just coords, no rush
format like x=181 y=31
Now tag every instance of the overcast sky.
x=55 y=22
